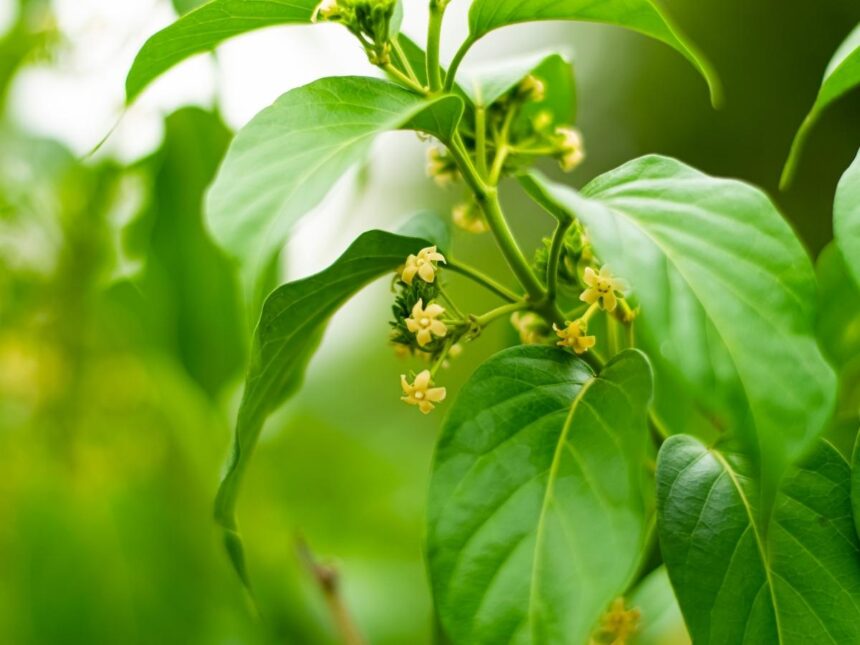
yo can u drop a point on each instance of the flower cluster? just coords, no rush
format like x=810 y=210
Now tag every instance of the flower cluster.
x=441 y=167
x=368 y=20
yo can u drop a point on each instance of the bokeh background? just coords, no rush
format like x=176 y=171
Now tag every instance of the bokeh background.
x=122 y=344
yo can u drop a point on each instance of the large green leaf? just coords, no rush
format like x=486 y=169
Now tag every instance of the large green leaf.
x=289 y=156
x=538 y=508
x=846 y=217
x=795 y=581
x=727 y=293
x=293 y=320
x=639 y=15
x=842 y=75
x=206 y=27
x=855 y=484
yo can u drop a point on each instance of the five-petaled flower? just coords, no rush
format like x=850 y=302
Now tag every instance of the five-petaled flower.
x=571 y=148
x=425 y=324
x=574 y=336
x=603 y=288
x=423 y=265
x=419 y=392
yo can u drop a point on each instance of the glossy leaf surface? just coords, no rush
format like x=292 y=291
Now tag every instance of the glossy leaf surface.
x=538 y=507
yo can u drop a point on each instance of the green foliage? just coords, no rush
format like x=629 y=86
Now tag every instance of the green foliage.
x=205 y=28
x=796 y=580
x=289 y=156
x=660 y=617
x=639 y=15
x=842 y=75
x=537 y=513
x=846 y=215
x=702 y=254
x=291 y=326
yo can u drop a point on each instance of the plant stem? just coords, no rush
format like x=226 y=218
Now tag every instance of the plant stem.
x=404 y=79
x=482 y=279
x=500 y=312
x=434 y=37
x=404 y=60
x=451 y=303
x=481 y=139
x=455 y=64
x=555 y=257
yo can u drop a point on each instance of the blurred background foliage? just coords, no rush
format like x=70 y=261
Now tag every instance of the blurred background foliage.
x=122 y=343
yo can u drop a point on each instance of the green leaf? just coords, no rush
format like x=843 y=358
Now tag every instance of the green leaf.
x=642 y=16
x=184 y=6
x=855 y=484
x=291 y=326
x=538 y=510
x=798 y=581
x=846 y=216
x=190 y=288
x=661 y=621
x=727 y=293
x=204 y=29
x=842 y=75
x=289 y=156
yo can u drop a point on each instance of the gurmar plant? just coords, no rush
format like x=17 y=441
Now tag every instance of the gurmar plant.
x=592 y=484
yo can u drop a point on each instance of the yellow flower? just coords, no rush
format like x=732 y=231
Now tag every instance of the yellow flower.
x=574 y=336
x=424 y=323
x=423 y=264
x=326 y=10
x=420 y=393
x=603 y=287
x=467 y=217
x=572 y=148
x=618 y=624
x=530 y=327
x=441 y=167
x=532 y=88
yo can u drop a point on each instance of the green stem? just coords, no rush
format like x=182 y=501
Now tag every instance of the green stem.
x=404 y=79
x=482 y=279
x=481 y=139
x=500 y=312
x=555 y=257
x=404 y=60
x=455 y=64
x=451 y=303
x=434 y=37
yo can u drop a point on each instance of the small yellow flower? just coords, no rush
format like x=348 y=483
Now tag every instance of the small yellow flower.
x=574 y=336
x=618 y=624
x=530 y=327
x=603 y=287
x=326 y=10
x=419 y=393
x=532 y=88
x=441 y=167
x=572 y=148
x=423 y=265
x=467 y=217
x=425 y=324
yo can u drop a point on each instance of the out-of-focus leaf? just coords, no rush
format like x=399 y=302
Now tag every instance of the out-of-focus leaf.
x=846 y=214
x=538 y=511
x=639 y=15
x=289 y=156
x=190 y=288
x=797 y=580
x=291 y=326
x=660 y=620
x=718 y=273
x=184 y=6
x=205 y=28
x=842 y=75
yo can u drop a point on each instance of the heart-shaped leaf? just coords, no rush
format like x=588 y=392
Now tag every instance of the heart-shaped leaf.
x=846 y=218
x=797 y=580
x=727 y=293
x=206 y=27
x=842 y=75
x=639 y=15
x=290 y=155
x=539 y=507
x=292 y=323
